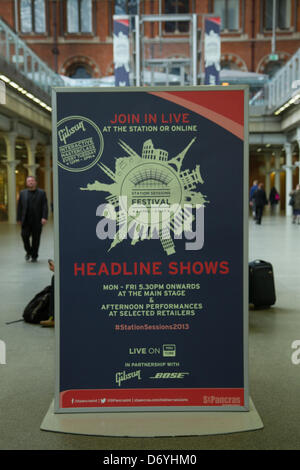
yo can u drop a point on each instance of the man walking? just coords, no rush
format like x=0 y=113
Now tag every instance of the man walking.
x=260 y=200
x=252 y=191
x=32 y=214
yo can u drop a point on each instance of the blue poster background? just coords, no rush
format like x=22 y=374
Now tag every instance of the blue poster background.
x=91 y=351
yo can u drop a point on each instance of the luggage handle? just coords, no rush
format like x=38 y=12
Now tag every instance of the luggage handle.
x=257 y=261
x=260 y=261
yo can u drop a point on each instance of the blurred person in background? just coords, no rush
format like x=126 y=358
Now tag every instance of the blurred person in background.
x=32 y=214
x=295 y=203
x=260 y=201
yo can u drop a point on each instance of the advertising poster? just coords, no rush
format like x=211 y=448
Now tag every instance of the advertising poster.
x=121 y=50
x=212 y=50
x=151 y=261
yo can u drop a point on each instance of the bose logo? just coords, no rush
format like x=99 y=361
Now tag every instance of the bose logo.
x=169 y=375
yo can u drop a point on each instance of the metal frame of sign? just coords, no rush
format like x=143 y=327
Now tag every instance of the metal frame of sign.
x=57 y=403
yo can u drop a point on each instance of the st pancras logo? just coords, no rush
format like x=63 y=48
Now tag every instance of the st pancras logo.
x=151 y=197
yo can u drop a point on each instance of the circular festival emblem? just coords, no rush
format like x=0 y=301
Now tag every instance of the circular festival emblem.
x=152 y=186
x=151 y=196
x=80 y=143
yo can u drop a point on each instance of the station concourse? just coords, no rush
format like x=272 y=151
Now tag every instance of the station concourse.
x=27 y=378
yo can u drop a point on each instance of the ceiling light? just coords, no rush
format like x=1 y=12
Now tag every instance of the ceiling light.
x=25 y=92
x=4 y=79
x=14 y=85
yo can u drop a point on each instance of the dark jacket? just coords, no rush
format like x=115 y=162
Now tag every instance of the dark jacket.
x=296 y=196
x=252 y=191
x=260 y=197
x=40 y=205
x=272 y=196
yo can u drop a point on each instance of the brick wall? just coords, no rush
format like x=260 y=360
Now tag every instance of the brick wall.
x=249 y=48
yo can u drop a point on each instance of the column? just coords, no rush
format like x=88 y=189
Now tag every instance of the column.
x=31 y=165
x=277 y=177
x=48 y=175
x=298 y=141
x=11 y=163
x=288 y=177
x=267 y=176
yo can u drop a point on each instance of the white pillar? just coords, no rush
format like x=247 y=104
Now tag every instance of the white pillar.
x=298 y=162
x=267 y=176
x=277 y=170
x=298 y=141
x=11 y=163
x=11 y=179
x=48 y=175
x=31 y=169
x=288 y=177
x=267 y=179
x=277 y=177
x=31 y=149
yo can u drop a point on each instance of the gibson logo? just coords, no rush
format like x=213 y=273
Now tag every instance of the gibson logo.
x=122 y=376
x=66 y=132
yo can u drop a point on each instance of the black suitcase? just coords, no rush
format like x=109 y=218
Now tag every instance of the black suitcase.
x=261 y=284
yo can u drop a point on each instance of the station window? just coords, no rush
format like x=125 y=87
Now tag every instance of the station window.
x=282 y=14
x=176 y=7
x=126 y=7
x=229 y=65
x=79 y=71
x=33 y=16
x=229 y=12
x=272 y=67
x=79 y=16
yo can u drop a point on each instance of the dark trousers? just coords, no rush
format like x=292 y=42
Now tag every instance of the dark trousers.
x=31 y=235
x=51 y=306
x=258 y=213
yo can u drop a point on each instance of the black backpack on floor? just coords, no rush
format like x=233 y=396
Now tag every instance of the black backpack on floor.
x=38 y=308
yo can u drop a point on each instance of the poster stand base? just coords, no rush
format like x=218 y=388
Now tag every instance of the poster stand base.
x=153 y=424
